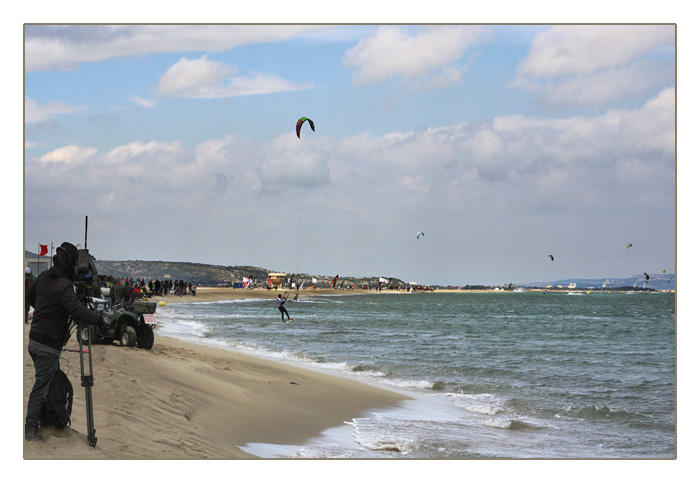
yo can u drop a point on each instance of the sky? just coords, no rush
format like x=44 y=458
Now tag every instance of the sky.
x=502 y=143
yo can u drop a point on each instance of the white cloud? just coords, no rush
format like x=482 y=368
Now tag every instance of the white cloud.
x=652 y=129
x=395 y=51
x=138 y=161
x=584 y=49
x=204 y=78
x=427 y=159
x=589 y=65
x=68 y=154
x=501 y=176
x=61 y=47
x=147 y=103
x=606 y=86
x=35 y=112
x=413 y=183
x=294 y=169
x=138 y=149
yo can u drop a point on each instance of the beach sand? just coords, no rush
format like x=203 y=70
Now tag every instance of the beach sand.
x=188 y=401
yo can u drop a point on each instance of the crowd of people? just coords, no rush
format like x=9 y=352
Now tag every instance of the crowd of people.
x=128 y=289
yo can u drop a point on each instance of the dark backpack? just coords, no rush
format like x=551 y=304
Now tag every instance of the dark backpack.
x=59 y=402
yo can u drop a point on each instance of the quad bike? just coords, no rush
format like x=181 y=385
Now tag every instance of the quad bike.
x=131 y=324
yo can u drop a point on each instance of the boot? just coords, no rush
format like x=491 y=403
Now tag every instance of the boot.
x=31 y=433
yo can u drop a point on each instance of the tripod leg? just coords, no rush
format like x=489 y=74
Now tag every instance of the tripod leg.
x=87 y=382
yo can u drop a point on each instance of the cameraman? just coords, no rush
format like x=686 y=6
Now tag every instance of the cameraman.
x=54 y=300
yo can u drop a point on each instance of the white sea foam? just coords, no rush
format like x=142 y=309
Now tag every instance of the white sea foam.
x=174 y=326
x=190 y=330
x=488 y=404
x=498 y=423
x=186 y=328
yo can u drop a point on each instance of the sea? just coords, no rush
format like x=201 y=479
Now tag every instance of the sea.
x=521 y=375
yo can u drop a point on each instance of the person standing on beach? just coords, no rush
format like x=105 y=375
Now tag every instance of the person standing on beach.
x=280 y=305
x=28 y=280
x=54 y=300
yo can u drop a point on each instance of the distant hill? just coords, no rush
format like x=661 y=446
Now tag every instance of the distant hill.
x=663 y=281
x=212 y=275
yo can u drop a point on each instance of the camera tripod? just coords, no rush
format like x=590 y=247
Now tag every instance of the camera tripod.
x=86 y=380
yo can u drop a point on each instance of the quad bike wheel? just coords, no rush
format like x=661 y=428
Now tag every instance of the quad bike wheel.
x=128 y=336
x=86 y=334
x=146 y=340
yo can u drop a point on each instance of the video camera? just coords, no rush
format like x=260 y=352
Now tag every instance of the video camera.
x=83 y=275
x=85 y=278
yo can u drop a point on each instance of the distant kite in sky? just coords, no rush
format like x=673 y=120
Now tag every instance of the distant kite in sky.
x=419 y=234
x=629 y=245
x=552 y=257
x=646 y=275
x=300 y=122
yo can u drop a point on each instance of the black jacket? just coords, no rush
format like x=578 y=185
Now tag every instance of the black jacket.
x=54 y=300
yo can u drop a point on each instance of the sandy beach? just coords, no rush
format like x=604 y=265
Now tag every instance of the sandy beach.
x=188 y=401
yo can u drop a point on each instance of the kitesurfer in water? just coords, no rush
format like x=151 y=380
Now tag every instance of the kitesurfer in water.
x=280 y=305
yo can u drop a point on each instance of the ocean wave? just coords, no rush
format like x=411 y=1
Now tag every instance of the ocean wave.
x=368 y=370
x=488 y=404
x=594 y=412
x=511 y=424
x=229 y=316
x=402 y=447
x=327 y=451
x=176 y=327
x=382 y=434
x=198 y=332
x=340 y=332
x=310 y=301
x=392 y=379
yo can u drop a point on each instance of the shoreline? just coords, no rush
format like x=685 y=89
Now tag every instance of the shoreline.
x=214 y=294
x=183 y=400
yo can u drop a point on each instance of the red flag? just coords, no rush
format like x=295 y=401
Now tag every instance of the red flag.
x=44 y=250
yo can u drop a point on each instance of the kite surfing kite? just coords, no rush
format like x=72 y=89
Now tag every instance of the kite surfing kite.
x=300 y=122
x=419 y=234
x=552 y=257
x=647 y=276
x=629 y=245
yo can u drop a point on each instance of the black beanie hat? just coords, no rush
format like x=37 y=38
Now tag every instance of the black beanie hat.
x=68 y=253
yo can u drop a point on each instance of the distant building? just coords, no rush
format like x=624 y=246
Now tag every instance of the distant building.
x=275 y=280
x=36 y=263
